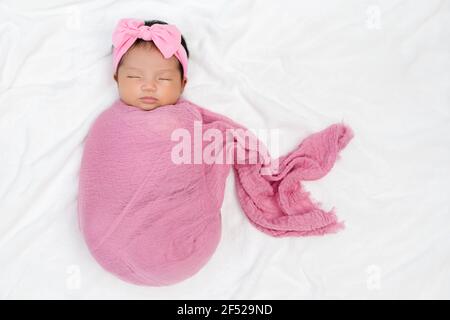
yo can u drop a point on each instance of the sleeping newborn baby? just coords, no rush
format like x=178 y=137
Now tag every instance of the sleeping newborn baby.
x=150 y=194
x=145 y=78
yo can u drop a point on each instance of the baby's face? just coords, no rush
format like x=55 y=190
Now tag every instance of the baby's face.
x=145 y=73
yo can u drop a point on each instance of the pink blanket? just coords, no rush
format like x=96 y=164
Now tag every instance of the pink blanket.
x=152 y=221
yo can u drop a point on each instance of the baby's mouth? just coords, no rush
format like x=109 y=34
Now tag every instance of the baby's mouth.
x=148 y=99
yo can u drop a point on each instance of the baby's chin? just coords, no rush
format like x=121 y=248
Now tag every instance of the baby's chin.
x=151 y=106
x=147 y=107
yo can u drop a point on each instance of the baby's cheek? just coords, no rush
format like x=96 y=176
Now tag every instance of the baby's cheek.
x=172 y=95
x=123 y=90
x=131 y=93
x=135 y=90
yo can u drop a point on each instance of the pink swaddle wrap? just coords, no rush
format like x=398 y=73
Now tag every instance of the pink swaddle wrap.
x=151 y=221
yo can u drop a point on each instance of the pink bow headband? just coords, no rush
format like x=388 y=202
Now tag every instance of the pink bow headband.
x=167 y=39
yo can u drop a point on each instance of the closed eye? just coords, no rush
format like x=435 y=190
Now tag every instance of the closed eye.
x=132 y=77
x=164 y=79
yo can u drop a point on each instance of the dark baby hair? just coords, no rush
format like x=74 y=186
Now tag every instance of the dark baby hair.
x=141 y=42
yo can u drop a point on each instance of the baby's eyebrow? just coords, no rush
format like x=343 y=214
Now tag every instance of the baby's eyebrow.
x=127 y=67
x=160 y=70
x=166 y=70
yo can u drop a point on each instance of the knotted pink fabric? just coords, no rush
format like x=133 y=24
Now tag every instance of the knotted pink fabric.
x=152 y=221
x=167 y=39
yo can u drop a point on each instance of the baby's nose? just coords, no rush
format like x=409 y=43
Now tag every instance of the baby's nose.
x=149 y=85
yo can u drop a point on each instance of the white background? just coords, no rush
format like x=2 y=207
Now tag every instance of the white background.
x=382 y=67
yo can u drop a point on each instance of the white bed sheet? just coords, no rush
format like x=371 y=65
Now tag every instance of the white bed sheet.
x=383 y=67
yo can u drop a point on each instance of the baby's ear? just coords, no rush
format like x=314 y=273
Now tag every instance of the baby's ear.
x=115 y=77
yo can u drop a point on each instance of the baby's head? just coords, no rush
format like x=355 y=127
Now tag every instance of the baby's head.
x=142 y=70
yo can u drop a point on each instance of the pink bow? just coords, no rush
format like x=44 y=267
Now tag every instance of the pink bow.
x=167 y=39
